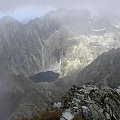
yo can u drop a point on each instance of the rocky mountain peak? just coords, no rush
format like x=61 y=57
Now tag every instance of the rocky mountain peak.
x=8 y=20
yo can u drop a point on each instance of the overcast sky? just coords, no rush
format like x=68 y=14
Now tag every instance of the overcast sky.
x=26 y=9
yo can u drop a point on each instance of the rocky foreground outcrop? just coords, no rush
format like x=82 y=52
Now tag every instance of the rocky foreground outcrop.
x=87 y=102
x=90 y=102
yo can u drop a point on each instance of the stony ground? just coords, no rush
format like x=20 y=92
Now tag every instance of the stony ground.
x=87 y=102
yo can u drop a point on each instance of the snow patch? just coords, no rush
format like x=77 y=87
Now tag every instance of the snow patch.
x=100 y=30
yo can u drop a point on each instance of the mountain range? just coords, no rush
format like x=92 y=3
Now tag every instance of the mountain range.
x=78 y=39
x=77 y=45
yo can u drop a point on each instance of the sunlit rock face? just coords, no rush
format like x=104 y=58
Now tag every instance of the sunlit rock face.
x=61 y=41
x=83 y=39
x=104 y=70
x=83 y=51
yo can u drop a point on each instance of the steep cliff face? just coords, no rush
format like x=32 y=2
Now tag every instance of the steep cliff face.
x=23 y=47
x=102 y=71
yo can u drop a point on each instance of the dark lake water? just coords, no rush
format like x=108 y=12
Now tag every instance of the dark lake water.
x=48 y=76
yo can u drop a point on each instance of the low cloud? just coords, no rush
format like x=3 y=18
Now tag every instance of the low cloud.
x=13 y=5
